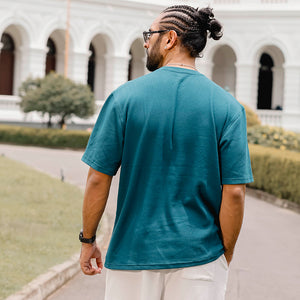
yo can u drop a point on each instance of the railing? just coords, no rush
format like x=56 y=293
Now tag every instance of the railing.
x=9 y=103
x=10 y=112
x=270 y=117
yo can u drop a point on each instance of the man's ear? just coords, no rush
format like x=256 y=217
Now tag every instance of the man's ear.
x=171 y=39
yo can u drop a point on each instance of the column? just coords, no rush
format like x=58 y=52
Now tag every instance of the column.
x=291 y=101
x=278 y=87
x=78 y=66
x=246 y=83
x=100 y=77
x=28 y=62
x=36 y=60
x=205 y=67
x=144 y=59
x=116 y=72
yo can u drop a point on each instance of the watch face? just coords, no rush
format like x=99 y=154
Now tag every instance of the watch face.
x=81 y=238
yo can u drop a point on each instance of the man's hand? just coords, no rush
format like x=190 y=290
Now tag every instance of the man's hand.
x=89 y=251
x=95 y=197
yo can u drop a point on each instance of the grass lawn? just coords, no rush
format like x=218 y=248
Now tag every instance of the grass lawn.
x=40 y=218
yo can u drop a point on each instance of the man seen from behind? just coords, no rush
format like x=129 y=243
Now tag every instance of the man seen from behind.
x=181 y=142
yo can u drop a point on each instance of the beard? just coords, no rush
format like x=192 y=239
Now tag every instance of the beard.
x=154 y=58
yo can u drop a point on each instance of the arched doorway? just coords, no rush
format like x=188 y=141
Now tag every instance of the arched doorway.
x=265 y=82
x=51 y=56
x=270 y=76
x=7 y=62
x=56 y=42
x=96 y=76
x=91 y=67
x=224 y=70
x=136 y=65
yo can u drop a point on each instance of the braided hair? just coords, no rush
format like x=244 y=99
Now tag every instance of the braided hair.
x=192 y=26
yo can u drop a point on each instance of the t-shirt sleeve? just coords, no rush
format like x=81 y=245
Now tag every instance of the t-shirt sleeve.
x=105 y=146
x=235 y=161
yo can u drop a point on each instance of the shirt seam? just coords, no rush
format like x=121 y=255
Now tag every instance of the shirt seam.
x=234 y=119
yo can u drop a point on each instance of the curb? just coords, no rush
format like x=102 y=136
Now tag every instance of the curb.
x=282 y=203
x=46 y=284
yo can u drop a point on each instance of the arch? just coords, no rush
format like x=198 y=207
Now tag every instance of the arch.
x=265 y=82
x=136 y=66
x=91 y=68
x=7 y=61
x=279 y=50
x=51 y=56
x=21 y=44
x=24 y=31
x=275 y=73
x=210 y=50
x=106 y=32
x=58 y=38
x=132 y=36
x=98 y=49
x=55 y=24
x=224 y=70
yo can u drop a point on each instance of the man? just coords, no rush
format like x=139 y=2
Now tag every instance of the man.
x=181 y=141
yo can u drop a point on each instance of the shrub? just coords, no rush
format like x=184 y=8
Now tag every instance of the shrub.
x=252 y=117
x=274 y=137
x=56 y=95
x=44 y=137
x=276 y=172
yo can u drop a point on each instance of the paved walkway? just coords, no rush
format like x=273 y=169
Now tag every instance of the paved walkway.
x=266 y=263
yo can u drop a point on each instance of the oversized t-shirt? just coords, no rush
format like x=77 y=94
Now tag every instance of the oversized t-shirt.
x=178 y=138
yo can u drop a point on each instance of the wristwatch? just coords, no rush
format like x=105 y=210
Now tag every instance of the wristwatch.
x=86 y=241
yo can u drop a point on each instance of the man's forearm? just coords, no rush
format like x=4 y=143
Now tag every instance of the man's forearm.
x=95 y=198
x=231 y=216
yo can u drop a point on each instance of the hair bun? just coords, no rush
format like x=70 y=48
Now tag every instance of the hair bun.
x=208 y=21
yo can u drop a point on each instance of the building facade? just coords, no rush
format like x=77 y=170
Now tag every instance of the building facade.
x=256 y=60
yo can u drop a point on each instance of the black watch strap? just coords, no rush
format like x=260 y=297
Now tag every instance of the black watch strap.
x=86 y=241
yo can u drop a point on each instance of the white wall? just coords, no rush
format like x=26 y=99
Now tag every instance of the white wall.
x=250 y=27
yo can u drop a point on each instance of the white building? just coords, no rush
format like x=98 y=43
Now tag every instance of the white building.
x=257 y=59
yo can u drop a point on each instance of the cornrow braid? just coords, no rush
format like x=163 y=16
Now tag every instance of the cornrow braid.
x=193 y=26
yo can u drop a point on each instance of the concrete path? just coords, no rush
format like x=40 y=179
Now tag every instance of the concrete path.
x=266 y=263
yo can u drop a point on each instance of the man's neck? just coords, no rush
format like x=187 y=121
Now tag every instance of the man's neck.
x=180 y=62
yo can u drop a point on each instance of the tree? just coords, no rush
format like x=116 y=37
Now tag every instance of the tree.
x=57 y=96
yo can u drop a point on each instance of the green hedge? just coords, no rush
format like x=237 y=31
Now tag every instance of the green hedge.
x=44 y=137
x=276 y=172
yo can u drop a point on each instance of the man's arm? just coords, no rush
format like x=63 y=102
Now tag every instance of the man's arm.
x=231 y=216
x=95 y=197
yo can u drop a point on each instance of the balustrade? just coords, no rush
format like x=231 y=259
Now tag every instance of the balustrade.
x=270 y=117
x=9 y=102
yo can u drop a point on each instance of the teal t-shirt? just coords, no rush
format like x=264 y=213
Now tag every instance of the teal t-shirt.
x=178 y=138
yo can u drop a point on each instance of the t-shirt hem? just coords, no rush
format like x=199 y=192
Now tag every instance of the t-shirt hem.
x=97 y=167
x=176 y=265
x=237 y=180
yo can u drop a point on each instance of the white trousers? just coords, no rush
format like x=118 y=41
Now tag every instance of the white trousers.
x=203 y=282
